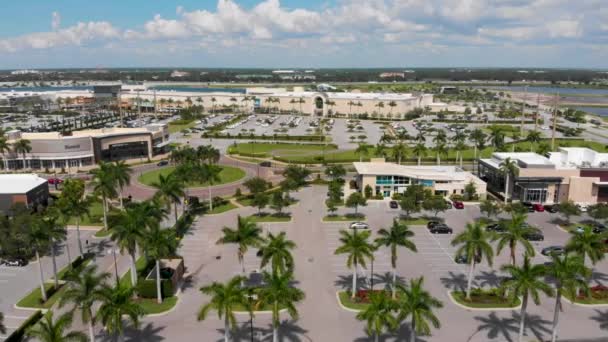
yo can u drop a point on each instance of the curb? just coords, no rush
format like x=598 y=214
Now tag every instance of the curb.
x=480 y=309
x=166 y=312
x=585 y=305
x=342 y=306
x=87 y=228
x=30 y=309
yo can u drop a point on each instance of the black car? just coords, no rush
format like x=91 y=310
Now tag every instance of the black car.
x=557 y=250
x=265 y=164
x=162 y=163
x=16 y=262
x=599 y=228
x=432 y=224
x=529 y=206
x=441 y=229
x=535 y=235
x=393 y=205
x=462 y=259
x=495 y=227
x=552 y=208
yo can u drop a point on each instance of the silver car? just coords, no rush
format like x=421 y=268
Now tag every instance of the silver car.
x=359 y=225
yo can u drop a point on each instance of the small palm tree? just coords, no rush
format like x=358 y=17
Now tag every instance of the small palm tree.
x=22 y=146
x=475 y=242
x=104 y=185
x=246 y=234
x=122 y=174
x=399 y=152
x=515 y=234
x=587 y=244
x=211 y=175
x=279 y=293
x=508 y=167
x=116 y=304
x=170 y=190
x=277 y=251
x=362 y=150
x=534 y=138
x=49 y=330
x=440 y=150
x=358 y=249
x=379 y=315
x=525 y=281
x=4 y=148
x=398 y=235
x=224 y=298
x=159 y=243
x=128 y=229
x=415 y=302
x=419 y=151
x=569 y=273
x=478 y=137
x=55 y=231
x=84 y=289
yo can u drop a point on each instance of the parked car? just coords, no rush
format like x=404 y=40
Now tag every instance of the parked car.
x=162 y=163
x=582 y=207
x=462 y=259
x=535 y=235
x=432 y=224
x=458 y=205
x=552 y=208
x=538 y=207
x=359 y=225
x=441 y=229
x=496 y=227
x=265 y=164
x=393 y=205
x=599 y=228
x=15 y=262
x=528 y=206
x=55 y=181
x=449 y=204
x=557 y=250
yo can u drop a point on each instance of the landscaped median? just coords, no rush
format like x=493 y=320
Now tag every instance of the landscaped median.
x=228 y=174
x=598 y=296
x=222 y=208
x=357 y=304
x=343 y=218
x=269 y=218
x=414 y=221
x=484 y=299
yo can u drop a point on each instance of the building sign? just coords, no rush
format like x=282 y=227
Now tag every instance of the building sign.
x=71 y=147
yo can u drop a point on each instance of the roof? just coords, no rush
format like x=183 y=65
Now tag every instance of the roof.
x=19 y=183
x=523 y=159
x=431 y=172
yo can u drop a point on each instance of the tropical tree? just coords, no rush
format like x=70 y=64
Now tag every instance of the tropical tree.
x=490 y=208
x=127 y=231
x=399 y=152
x=587 y=244
x=116 y=305
x=514 y=234
x=84 y=289
x=568 y=209
x=440 y=149
x=415 y=302
x=355 y=200
x=4 y=148
x=362 y=150
x=122 y=177
x=358 y=249
x=104 y=186
x=211 y=175
x=533 y=137
x=474 y=243
x=159 y=243
x=2 y=326
x=419 y=151
x=170 y=190
x=508 y=167
x=224 y=298
x=246 y=235
x=525 y=281
x=497 y=137
x=569 y=273
x=22 y=146
x=277 y=251
x=398 y=235
x=72 y=203
x=50 y=330
x=478 y=138
x=379 y=315
x=279 y=293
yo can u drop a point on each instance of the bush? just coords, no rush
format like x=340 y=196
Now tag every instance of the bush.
x=456 y=197
x=238 y=193
x=146 y=288
x=19 y=334
x=355 y=216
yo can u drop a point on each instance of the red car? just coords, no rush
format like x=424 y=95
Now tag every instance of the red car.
x=538 y=207
x=458 y=205
x=55 y=181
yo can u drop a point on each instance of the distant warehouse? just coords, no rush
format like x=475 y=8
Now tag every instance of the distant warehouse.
x=27 y=189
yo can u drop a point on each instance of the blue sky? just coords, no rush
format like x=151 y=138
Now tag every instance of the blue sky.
x=304 y=33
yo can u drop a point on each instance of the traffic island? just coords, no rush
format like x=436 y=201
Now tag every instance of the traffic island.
x=269 y=218
x=597 y=296
x=344 y=218
x=484 y=299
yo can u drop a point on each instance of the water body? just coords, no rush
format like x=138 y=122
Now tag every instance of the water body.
x=601 y=111
x=41 y=89
x=551 y=90
x=199 y=89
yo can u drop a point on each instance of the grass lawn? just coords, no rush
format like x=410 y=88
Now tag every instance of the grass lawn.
x=347 y=302
x=227 y=175
x=180 y=125
x=589 y=300
x=150 y=305
x=483 y=300
x=280 y=149
x=342 y=218
x=63 y=272
x=140 y=264
x=265 y=217
x=222 y=208
x=95 y=217
x=415 y=221
x=102 y=233
x=34 y=298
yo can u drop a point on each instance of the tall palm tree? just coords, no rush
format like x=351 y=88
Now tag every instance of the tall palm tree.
x=116 y=304
x=379 y=315
x=478 y=138
x=224 y=298
x=497 y=137
x=277 y=250
x=104 y=185
x=534 y=137
x=122 y=176
x=525 y=281
x=379 y=105
x=415 y=302
x=50 y=330
x=587 y=244
x=362 y=150
x=55 y=232
x=211 y=175
x=419 y=151
x=358 y=249
x=246 y=235
x=279 y=292
x=159 y=243
x=128 y=229
x=440 y=149
x=399 y=152
x=398 y=235
x=508 y=167
x=514 y=234
x=569 y=273
x=39 y=238
x=84 y=290
x=22 y=146
x=170 y=190
x=475 y=242
x=4 y=148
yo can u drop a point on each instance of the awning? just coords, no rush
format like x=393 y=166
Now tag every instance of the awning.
x=163 y=144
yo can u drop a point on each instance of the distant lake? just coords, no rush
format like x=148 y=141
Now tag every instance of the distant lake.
x=601 y=111
x=165 y=88
x=40 y=89
x=550 y=90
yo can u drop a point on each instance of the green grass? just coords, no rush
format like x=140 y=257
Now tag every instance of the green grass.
x=269 y=218
x=150 y=305
x=347 y=302
x=574 y=225
x=415 y=221
x=102 y=233
x=34 y=298
x=587 y=300
x=484 y=300
x=179 y=125
x=228 y=174
x=342 y=218
x=222 y=208
x=95 y=217
x=281 y=149
x=140 y=264
x=63 y=272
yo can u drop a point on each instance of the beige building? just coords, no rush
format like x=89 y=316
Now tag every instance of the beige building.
x=390 y=178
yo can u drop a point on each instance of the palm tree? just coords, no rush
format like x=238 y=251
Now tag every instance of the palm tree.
x=55 y=232
x=246 y=234
x=478 y=137
x=211 y=175
x=116 y=304
x=533 y=137
x=497 y=138
x=398 y=235
x=350 y=108
x=22 y=146
x=569 y=273
x=475 y=242
x=440 y=137
x=170 y=190
x=380 y=150
x=84 y=289
x=159 y=243
x=279 y=293
x=224 y=298
x=392 y=104
x=127 y=231
x=358 y=250
x=525 y=281
x=122 y=176
x=419 y=151
x=399 y=152
x=440 y=149
x=277 y=251
x=104 y=185
x=362 y=150
x=415 y=301
x=49 y=330
x=300 y=101
x=508 y=167
x=4 y=148
x=38 y=237
x=379 y=315
x=460 y=147
x=379 y=105
x=587 y=244
x=515 y=233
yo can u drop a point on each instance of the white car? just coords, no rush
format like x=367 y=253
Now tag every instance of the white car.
x=546 y=128
x=359 y=225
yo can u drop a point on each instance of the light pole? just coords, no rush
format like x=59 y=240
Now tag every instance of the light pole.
x=113 y=251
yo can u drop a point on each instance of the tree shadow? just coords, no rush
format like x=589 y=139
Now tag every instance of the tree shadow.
x=601 y=318
x=345 y=282
x=99 y=247
x=490 y=279
x=599 y=277
x=187 y=283
x=535 y=324
x=242 y=332
x=559 y=221
x=289 y=330
x=496 y=326
x=149 y=332
x=386 y=279
x=455 y=281
x=402 y=333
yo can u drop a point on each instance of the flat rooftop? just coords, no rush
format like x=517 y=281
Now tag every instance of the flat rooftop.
x=19 y=183
x=523 y=159
x=427 y=172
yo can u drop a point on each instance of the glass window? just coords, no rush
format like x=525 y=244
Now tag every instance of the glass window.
x=399 y=180
x=384 y=180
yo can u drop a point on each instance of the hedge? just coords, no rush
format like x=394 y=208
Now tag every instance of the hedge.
x=513 y=122
x=19 y=334
x=146 y=288
x=76 y=264
x=266 y=137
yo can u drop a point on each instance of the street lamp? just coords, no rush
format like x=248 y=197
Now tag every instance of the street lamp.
x=113 y=251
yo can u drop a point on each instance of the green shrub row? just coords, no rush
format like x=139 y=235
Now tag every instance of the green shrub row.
x=146 y=288
x=266 y=137
x=506 y=122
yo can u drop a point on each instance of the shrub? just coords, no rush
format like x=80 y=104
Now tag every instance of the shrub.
x=146 y=288
x=238 y=193
x=19 y=334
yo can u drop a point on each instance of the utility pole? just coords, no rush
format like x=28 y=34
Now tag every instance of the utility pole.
x=554 y=121
x=537 y=112
x=523 y=109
